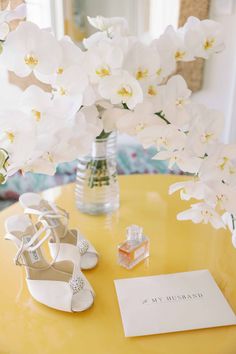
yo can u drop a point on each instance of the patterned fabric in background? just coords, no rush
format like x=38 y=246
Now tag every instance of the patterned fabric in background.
x=130 y=160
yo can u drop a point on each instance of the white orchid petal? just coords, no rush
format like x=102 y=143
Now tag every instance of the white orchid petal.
x=234 y=239
x=189 y=214
x=4 y=30
x=18 y=13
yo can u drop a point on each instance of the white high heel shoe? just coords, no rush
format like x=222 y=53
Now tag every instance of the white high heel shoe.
x=72 y=244
x=47 y=284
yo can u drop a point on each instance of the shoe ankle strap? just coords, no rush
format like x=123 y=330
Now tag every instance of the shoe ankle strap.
x=55 y=213
x=31 y=246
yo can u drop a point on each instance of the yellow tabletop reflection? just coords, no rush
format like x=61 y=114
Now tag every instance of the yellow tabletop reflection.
x=28 y=327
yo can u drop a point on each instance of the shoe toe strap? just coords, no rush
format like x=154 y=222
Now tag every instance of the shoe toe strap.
x=83 y=244
x=78 y=282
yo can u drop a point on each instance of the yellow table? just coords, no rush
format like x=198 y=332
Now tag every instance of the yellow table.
x=29 y=327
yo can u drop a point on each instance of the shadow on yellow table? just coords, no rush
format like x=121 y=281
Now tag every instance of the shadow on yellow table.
x=27 y=327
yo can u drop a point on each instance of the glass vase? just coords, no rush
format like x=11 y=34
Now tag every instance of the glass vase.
x=97 y=189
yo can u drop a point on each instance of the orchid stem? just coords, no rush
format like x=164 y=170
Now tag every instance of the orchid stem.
x=103 y=135
x=125 y=106
x=162 y=116
x=233 y=224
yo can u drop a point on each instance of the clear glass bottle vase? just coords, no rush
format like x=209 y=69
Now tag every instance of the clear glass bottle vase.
x=97 y=189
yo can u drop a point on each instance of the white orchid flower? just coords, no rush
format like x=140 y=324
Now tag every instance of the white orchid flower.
x=87 y=126
x=220 y=163
x=36 y=102
x=72 y=136
x=71 y=55
x=15 y=125
x=189 y=189
x=40 y=161
x=172 y=47
x=42 y=164
x=110 y=25
x=18 y=138
x=71 y=83
x=133 y=122
x=54 y=118
x=121 y=88
x=234 y=238
x=175 y=100
x=166 y=63
x=90 y=95
x=221 y=195
x=4 y=30
x=29 y=49
x=162 y=136
x=57 y=117
x=18 y=13
x=230 y=222
x=81 y=131
x=95 y=39
x=181 y=158
x=64 y=149
x=110 y=116
x=50 y=114
x=124 y=43
x=103 y=60
x=94 y=122
x=203 y=37
x=143 y=62
x=205 y=128
x=153 y=93
x=9 y=15
x=202 y=212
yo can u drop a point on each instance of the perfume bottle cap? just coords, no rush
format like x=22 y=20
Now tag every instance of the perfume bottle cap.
x=134 y=233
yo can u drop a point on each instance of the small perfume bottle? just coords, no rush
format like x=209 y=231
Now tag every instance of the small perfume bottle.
x=134 y=249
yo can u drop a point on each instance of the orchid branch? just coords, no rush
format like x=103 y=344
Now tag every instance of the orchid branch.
x=162 y=116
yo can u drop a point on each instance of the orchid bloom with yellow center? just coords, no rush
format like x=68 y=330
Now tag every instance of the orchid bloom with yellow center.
x=221 y=198
x=207 y=136
x=62 y=91
x=224 y=162
x=159 y=71
x=10 y=136
x=125 y=91
x=103 y=71
x=60 y=70
x=31 y=60
x=141 y=74
x=39 y=49
x=180 y=102
x=36 y=114
x=202 y=212
x=208 y=44
x=152 y=91
x=179 y=55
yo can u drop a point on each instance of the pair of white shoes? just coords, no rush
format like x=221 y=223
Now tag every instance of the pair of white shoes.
x=60 y=283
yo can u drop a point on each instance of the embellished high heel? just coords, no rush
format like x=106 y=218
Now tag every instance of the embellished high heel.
x=61 y=290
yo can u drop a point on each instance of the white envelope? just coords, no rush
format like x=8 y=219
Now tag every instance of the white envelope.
x=171 y=303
